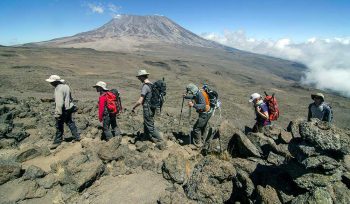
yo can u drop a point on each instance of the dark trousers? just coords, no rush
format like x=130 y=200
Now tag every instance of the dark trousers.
x=198 y=132
x=66 y=117
x=110 y=126
x=148 y=123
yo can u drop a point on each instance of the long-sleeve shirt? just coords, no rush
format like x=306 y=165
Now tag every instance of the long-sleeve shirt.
x=322 y=112
x=63 y=99
x=101 y=106
x=199 y=100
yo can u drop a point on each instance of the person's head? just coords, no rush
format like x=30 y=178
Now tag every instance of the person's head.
x=255 y=98
x=192 y=89
x=142 y=75
x=54 y=80
x=101 y=86
x=318 y=98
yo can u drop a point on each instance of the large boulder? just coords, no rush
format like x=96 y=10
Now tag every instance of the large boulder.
x=9 y=171
x=267 y=195
x=321 y=162
x=325 y=136
x=79 y=171
x=174 y=168
x=111 y=150
x=33 y=172
x=211 y=181
x=317 y=196
x=18 y=190
x=311 y=181
x=242 y=146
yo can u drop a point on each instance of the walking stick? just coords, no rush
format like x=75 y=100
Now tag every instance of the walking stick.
x=182 y=106
x=189 y=120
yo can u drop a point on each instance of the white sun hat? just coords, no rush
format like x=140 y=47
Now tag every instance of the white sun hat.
x=254 y=96
x=142 y=72
x=101 y=84
x=53 y=78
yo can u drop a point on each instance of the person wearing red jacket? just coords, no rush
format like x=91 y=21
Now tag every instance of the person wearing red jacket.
x=108 y=119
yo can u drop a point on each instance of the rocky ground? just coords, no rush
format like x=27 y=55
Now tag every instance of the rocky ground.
x=307 y=162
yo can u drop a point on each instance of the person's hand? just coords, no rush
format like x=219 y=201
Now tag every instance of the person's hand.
x=133 y=110
x=190 y=104
x=57 y=116
x=258 y=108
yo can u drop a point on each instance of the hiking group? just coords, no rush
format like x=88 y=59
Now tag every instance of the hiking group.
x=204 y=100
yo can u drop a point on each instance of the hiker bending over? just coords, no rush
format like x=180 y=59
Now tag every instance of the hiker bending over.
x=200 y=102
x=107 y=111
x=63 y=111
x=150 y=130
x=261 y=111
x=319 y=109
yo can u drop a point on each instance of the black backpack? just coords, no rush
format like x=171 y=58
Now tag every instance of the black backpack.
x=158 y=89
x=213 y=96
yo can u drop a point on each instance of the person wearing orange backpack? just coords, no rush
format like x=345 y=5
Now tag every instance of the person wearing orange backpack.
x=107 y=113
x=261 y=112
x=200 y=102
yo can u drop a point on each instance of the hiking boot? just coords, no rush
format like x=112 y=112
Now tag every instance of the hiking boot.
x=76 y=140
x=54 y=145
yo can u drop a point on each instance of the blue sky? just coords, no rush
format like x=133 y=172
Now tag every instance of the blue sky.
x=23 y=21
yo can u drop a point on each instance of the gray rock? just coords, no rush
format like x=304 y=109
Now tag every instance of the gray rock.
x=211 y=181
x=317 y=196
x=321 y=162
x=119 y=168
x=243 y=147
x=7 y=143
x=9 y=171
x=341 y=193
x=112 y=150
x=303 y=150
x=175 y=195
x=267 y=195
x=325 y=136
x=285 y=137
x=48 y=181
x=174 y=168
x=311 y=181
x=79 y=171
x=276 y=159
x=17 y=190
x=244 y=184
x=4 y=129
x=18 y=134
x=225 y=132
x=33 y=172
x=28 y=154
x=272 y=132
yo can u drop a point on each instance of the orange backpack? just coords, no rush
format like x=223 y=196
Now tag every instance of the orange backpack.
x=207 y=101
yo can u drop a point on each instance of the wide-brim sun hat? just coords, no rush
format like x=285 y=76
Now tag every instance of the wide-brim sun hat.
x=320 y=95
x=142 y=72
x=54 y=78
x=192 y=88
x=254 y=96
x=101 y=84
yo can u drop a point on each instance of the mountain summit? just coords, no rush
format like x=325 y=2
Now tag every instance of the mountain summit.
x=131 y=31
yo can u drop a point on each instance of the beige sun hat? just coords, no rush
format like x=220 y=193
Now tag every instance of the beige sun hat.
x=254 y=96
x=53 y=78
x=142 y=72
x=101 y=84
x=317 y=95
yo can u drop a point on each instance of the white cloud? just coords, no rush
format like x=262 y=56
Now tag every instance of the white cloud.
x=328 y=60
x=96 y=8
x=113 y=8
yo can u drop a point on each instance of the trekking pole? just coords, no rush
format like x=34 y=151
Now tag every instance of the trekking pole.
x=182 y=106
x=189 y=121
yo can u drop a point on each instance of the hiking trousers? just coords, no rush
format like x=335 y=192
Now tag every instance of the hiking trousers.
x=148 y=123
x=110 y=126
x=66 y=117
x=199 y=128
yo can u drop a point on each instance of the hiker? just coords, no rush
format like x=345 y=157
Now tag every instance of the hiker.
x=150 y=130
x=105 y=115
x=319 y=109
x=261 y=112
x=64 y=110
x=199 y=100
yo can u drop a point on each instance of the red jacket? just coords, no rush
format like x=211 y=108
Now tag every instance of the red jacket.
x=101 y=106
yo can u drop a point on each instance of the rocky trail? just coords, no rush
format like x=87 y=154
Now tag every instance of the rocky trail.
x=308 y=162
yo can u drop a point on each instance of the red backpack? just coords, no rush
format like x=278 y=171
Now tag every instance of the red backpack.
x=272 y=104
x=113 y=102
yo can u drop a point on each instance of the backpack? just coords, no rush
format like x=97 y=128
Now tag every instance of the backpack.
x=158 y=90
x=113 y=102
x=272 y=105
x=212 y=95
